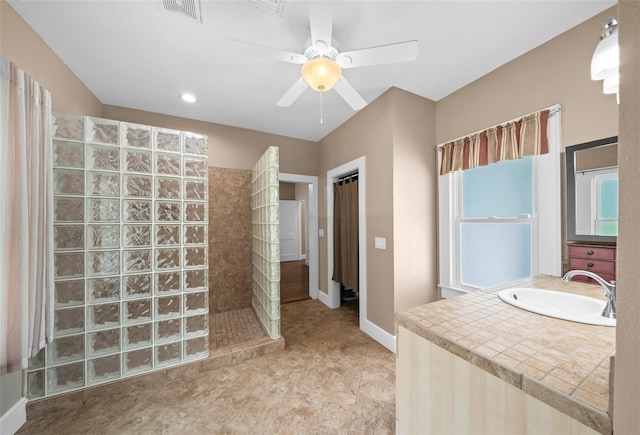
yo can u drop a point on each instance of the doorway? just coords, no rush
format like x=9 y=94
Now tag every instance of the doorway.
x=306 y=267
x=294 y=272
x=332 y=300
x=294 y=281
x=334 y=291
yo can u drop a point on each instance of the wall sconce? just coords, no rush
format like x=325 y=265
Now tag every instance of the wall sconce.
x=605 y=64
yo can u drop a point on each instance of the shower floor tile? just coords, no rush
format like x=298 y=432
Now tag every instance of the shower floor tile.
x=234 y=329
x=240 y=334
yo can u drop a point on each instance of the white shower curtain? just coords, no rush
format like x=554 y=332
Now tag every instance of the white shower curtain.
x=26 y=207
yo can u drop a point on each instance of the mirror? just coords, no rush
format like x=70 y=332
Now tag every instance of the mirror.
x=592 y=191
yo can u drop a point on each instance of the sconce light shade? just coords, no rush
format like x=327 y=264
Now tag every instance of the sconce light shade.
x=605 y=58
x=611 y=84
x=321 y=73
x=605 y=63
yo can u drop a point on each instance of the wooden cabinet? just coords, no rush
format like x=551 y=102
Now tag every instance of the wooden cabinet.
x=599 y=259
x=439 y=392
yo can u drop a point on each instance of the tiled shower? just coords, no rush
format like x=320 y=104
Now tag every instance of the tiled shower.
x=130 y=253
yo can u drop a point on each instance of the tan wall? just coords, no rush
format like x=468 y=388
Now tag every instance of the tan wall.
x=370 y=134
x=556 y=72
x=30 y=53
x=598 y=157
x=302 y=191
x=287 y=191
x=626 y=419
x=229 y=239
x=231 y=147
x=414 y=200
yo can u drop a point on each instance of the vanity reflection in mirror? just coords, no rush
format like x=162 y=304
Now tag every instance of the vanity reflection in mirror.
x=592 y=191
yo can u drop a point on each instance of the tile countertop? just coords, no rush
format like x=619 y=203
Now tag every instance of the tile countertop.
x=562 y=363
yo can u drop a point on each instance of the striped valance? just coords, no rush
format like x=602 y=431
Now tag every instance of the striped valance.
x=526 y=136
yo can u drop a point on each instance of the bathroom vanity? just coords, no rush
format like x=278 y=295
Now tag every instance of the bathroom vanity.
x=600 y=259
x=475 y=364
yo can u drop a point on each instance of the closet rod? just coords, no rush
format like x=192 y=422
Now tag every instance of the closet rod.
x=347 y=178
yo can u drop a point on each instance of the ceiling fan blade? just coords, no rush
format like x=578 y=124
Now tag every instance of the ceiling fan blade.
x=383 y=54
x=293 y=93
x=251 y=49
x=320 y=22
x=349 y=94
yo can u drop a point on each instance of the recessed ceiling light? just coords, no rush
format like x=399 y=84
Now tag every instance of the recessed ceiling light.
x=187 y=97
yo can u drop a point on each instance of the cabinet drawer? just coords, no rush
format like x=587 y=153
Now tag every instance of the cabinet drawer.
x=597 y=253
x=605 y=276
x=592 y=265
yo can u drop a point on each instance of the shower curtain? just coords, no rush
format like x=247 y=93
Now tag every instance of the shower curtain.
x=26 y=263
x=345 y=234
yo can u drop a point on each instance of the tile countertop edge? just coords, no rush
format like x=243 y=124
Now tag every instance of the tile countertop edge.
x=580 y=411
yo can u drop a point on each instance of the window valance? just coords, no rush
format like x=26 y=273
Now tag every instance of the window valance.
x=523 y=137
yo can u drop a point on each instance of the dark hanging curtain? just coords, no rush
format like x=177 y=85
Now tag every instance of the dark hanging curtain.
x=345 y=234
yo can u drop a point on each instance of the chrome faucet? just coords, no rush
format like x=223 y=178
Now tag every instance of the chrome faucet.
x=609 y=290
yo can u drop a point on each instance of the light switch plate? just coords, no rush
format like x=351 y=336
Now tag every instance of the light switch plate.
x=380 y=243
x=321 y=232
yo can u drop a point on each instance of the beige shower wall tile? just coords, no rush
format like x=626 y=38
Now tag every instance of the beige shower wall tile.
x=229 y=239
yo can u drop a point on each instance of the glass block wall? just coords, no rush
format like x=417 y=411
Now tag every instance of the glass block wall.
x=266 y=241
x=130 y=253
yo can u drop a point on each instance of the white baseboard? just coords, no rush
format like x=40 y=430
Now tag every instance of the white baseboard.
x=14 y=418
x=379 y=334
x=324 y=298
x=368 y=327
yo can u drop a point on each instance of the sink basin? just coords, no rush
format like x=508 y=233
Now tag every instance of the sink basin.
x=561 y=305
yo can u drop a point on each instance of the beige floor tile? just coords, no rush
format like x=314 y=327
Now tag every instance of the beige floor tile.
x=373 y=417
x=330 y=378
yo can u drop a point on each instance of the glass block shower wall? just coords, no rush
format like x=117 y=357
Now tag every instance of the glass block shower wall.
x=130 y=253
x=266 y=241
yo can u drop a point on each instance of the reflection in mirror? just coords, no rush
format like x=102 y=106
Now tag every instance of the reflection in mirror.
x=592 y=191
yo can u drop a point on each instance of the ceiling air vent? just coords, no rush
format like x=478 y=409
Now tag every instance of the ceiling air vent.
x=272 y=7
x=190 y=8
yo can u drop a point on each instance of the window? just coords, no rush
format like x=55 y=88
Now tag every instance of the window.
x=597 y=201
x=496 y=223
x=606 y=200
x=501 y=223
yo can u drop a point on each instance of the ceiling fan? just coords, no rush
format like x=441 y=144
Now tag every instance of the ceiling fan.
x=322 y=63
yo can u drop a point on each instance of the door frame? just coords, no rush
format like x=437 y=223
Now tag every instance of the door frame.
x=312 y=180
x=333 y=300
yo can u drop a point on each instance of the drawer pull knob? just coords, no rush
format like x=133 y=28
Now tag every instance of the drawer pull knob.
x=589 y=252
x=589 y=264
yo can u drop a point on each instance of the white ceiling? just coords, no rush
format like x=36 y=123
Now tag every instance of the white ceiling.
x=136 y=54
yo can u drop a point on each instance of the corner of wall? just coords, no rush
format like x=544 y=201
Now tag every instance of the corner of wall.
x=414 y=199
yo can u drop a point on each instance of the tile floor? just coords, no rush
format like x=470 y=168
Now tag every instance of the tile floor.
x=331 y=378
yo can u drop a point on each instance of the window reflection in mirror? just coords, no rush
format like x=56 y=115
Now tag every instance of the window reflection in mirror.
x=592 y=191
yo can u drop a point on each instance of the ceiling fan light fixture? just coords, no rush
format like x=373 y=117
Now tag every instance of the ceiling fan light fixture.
x=321 y=73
